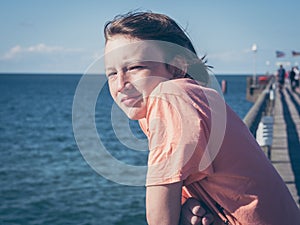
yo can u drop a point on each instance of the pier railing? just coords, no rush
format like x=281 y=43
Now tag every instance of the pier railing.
x=259 y=108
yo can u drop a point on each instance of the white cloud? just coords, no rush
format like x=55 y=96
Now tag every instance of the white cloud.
x=12 y=52
x=44 y=48
x=38 y=48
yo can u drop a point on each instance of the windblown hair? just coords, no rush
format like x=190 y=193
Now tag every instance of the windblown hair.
x=154 y=26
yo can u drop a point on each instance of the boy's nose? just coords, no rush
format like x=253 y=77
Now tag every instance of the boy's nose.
x=122 y=81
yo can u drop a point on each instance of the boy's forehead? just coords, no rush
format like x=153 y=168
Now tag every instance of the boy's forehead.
x=118 y=52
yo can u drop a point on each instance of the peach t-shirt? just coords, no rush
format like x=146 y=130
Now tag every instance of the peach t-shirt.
x=196 y=138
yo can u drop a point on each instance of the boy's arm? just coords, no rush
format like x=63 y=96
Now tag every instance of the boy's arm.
x=163 y=204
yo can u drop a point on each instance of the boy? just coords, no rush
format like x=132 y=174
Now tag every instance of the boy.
x=198 y=147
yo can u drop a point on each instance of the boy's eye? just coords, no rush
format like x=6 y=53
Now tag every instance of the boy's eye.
x=109 y=74
x=137 y=67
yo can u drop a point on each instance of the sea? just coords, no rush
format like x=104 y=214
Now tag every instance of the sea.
x=46 y=176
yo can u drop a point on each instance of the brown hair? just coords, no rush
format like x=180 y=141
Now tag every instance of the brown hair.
x=154 y=26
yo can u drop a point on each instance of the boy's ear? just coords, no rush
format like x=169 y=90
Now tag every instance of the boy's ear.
x=178 y=67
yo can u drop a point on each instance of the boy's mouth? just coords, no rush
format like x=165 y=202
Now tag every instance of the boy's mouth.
x=130 y=100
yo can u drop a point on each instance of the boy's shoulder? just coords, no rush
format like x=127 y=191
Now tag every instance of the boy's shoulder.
x=176 y=86
x=183 y=87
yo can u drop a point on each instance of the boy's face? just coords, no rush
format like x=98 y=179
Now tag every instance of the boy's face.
x=134 y=68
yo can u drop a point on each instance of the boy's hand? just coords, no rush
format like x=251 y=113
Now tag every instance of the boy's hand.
x=193 y=213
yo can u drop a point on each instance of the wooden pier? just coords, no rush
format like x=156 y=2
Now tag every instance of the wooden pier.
x=285 y=150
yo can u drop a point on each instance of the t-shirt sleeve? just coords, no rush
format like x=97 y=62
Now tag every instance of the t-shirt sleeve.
x=177 y=134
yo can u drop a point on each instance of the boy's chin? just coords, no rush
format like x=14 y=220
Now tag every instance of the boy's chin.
x=134 y=114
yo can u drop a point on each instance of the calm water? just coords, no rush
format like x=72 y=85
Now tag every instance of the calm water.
x=44 y=179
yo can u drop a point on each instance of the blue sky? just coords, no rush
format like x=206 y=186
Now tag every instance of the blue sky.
x=58 y=36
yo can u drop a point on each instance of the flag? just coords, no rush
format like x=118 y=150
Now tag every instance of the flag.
x=280 y=54
x=294 y=53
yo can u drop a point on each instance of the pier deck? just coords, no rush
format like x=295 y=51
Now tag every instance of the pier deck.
x=285 y=152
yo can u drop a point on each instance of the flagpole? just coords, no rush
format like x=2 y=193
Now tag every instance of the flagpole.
x=295 y=54
x=268 y=65
x=254 y=50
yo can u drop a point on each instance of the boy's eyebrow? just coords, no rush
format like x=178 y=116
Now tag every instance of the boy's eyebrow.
x=109 y=68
